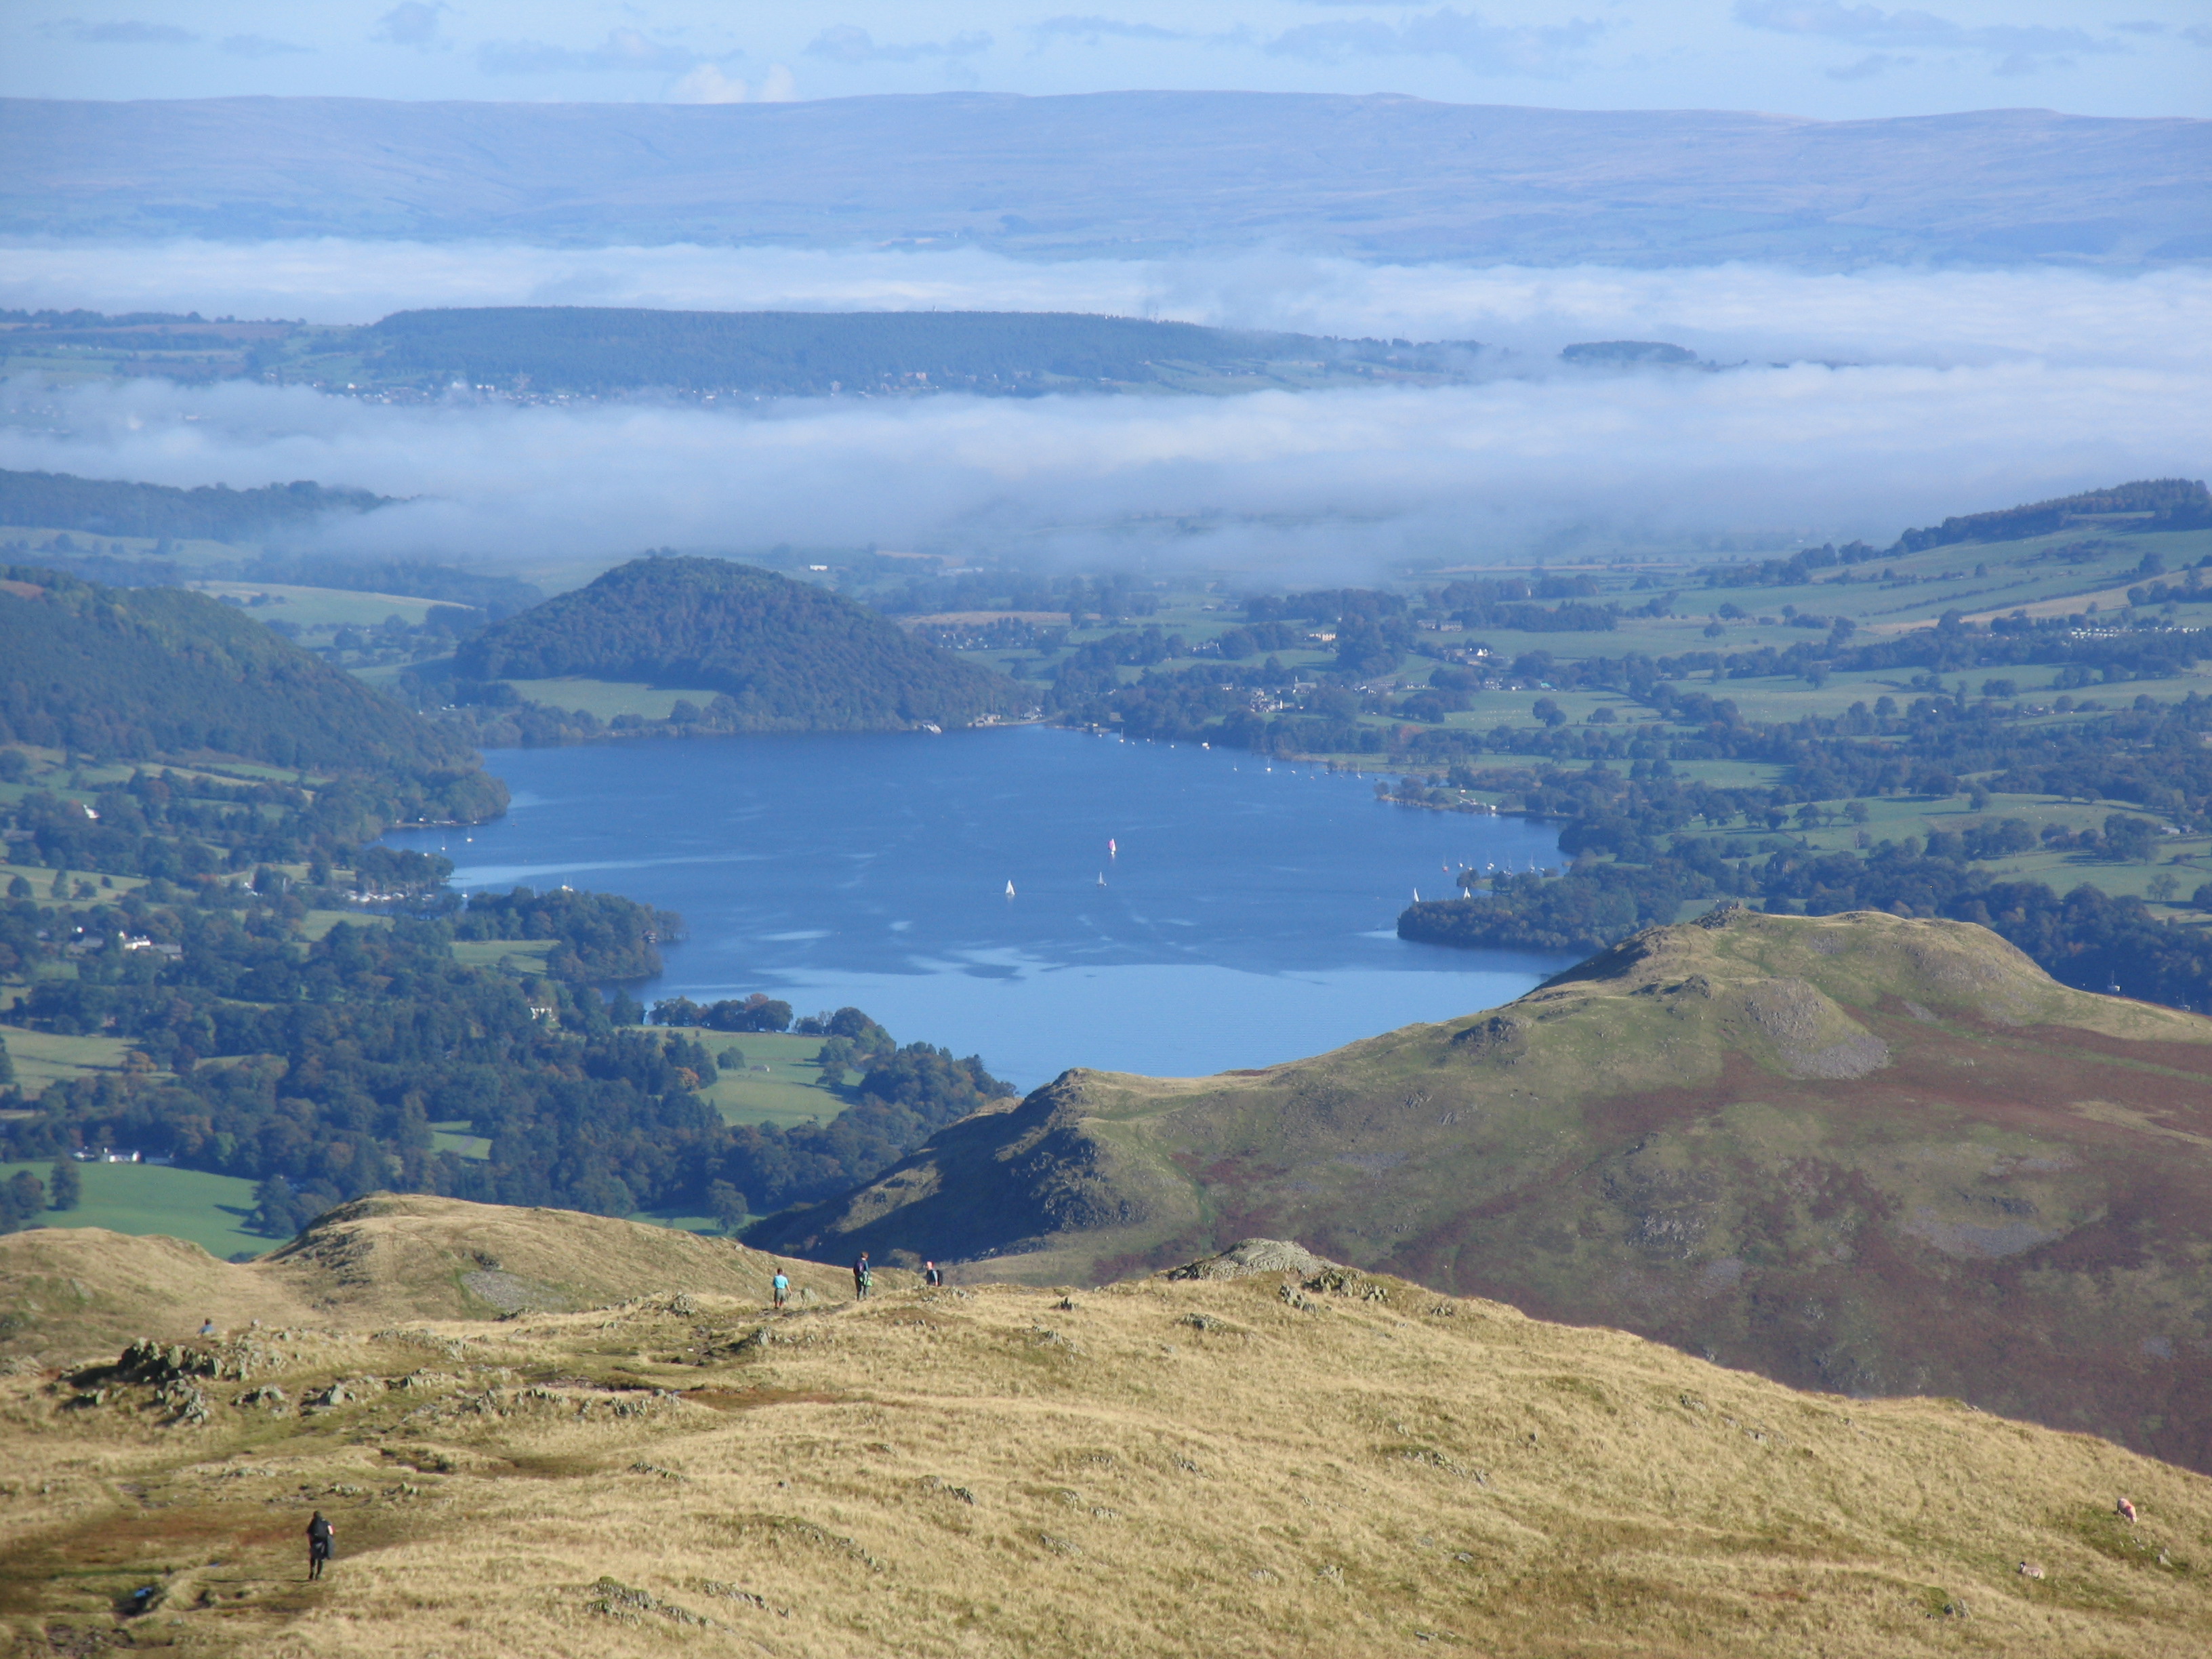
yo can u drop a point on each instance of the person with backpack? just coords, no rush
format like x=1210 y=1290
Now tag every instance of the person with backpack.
x=930 y=1276
x=864 y=1277
x=781 y=1286
x=320 y=1534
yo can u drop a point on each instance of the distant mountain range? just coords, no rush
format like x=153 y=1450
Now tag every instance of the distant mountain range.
x=1129 y=173
x=1860 y=1153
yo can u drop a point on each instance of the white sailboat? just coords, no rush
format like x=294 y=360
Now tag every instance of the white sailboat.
x=1010 y=890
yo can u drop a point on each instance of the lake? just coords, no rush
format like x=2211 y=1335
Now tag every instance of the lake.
x=1246 y=915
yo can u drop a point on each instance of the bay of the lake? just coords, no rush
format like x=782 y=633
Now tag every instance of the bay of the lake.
x=1043 y=897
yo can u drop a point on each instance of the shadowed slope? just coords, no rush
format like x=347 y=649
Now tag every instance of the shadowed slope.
x=1857 y=1153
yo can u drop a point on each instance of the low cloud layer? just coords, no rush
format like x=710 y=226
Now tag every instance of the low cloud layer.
x=1904 y=397
x=1727 y=312
x=1281 y=486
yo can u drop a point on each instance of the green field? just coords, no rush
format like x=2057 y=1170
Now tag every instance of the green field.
x=319 y=607
x=42 y=1058
x=790 y=1091
x=518 y=956
x=604 y=699
x=206 y=1210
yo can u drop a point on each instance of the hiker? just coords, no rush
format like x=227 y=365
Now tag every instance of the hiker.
x=930 y=1276
x=320 y=1534
x=864 y=1276
x=781 y=1286
x=207 y=1327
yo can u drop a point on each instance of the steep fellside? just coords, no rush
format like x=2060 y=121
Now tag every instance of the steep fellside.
x=788 y=656
x=1857 y=1153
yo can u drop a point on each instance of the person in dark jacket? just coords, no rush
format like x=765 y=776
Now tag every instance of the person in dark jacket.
x=864 y=1276
x=930 y=1276
x=320 y=1533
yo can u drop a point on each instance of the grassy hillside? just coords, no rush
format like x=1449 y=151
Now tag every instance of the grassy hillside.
x=780 y=655
x=137 y=672
x=1292 y=1461
x=1859 y=1152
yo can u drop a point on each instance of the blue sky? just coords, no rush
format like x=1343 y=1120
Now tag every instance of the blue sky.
x=1835 y=59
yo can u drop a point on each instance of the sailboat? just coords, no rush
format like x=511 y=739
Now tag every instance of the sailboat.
x=1102 y=877
x=1010 y=890
x=1112 y=850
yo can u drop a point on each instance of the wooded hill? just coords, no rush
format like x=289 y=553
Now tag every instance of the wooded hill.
x=782 y=655
x=133 y=673
x=1860 y=1153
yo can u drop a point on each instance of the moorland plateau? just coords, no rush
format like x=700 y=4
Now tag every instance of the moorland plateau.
x=1127 y=175
x=1269 y=1455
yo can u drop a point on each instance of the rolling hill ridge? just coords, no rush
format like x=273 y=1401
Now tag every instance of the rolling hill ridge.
x=1861 y=1153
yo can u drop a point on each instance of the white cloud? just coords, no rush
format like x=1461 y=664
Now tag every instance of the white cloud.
x=1727 y=312
x=1956 y=391
x=843 y=42
x=126 y=31
x=1548 y=50
x=1277 y=485
x=260 y=45
x=2016 y=48
x=623 y=49
x=707 y=84
x=411 y=23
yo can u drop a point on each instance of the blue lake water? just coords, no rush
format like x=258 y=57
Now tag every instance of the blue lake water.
x=1247 y=914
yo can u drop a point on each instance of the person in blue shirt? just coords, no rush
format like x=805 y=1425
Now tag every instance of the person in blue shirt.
x=780 y=1286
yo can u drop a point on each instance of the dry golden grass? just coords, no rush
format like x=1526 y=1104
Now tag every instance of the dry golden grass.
x=1227 y=1468
x=66 y=1293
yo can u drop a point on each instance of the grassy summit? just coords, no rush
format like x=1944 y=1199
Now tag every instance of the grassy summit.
x=788 y=656
x=1858 y=1152
x=1294 y=1460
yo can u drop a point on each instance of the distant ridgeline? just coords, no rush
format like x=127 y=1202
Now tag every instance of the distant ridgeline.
x=781 y=655
x=788 y=353
x=596 y=351
x=111 y=507
x=2156 y=503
